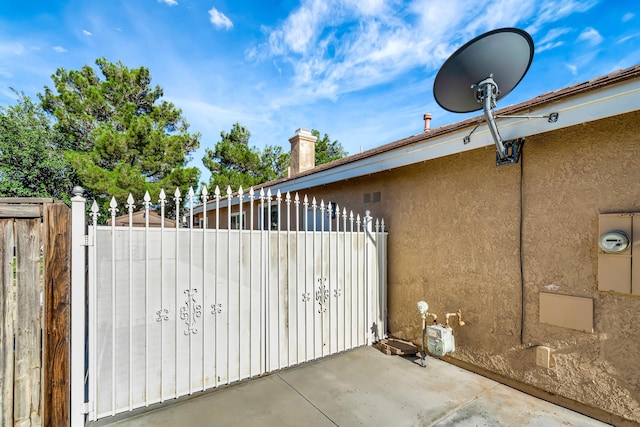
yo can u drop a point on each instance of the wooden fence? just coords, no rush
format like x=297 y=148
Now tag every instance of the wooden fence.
x=35 y=272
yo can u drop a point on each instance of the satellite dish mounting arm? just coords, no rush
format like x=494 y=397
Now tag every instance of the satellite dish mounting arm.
x=486 y=92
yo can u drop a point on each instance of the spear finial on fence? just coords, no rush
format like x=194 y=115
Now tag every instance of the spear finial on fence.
x=147 y=201
x=94 y=212
x=162 y=199
x=113 y=208
x=130 y=204
x=177 y=200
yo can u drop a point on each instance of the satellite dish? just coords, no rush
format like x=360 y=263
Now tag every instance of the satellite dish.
x=503 y=55
x=482 y=71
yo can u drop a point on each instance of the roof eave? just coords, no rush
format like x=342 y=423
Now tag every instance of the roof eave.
x=606 y=96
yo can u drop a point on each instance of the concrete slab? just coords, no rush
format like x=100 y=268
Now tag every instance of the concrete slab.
x=362 y=387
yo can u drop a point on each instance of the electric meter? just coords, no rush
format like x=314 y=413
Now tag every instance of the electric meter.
x=614 y=241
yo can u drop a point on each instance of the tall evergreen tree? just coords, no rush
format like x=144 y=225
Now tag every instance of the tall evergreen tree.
x=31 y=163
x=121 y=137
x=327 y=150
x=234 y=163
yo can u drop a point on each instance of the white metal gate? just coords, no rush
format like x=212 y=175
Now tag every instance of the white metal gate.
x=173 y=311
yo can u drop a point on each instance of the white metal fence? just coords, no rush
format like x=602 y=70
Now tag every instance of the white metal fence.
x=172 y=311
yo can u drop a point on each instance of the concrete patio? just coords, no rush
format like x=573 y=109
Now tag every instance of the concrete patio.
x=362 y=387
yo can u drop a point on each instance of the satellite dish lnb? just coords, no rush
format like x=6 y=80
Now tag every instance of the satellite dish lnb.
x=483 y=71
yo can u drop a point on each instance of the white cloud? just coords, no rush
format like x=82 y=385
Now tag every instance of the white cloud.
x=572 y=68
x=628 y=17
x=59 y=49
x=336 y=47
x=551 y=11
x=548 y=46
x=219 y=19
x=550 y=41
x=553 y=34
x=169 y=2
x=11 y=48
x=86 y=33
x=591 y=36
x=627 y=38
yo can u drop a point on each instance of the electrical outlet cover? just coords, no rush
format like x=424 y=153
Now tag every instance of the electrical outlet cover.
x=543 y=356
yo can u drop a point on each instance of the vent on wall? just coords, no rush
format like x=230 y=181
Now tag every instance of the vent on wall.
x=372 y=197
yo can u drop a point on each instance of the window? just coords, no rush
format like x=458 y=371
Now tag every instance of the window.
x=273 y=218
x=332 y=211
x=235 y=221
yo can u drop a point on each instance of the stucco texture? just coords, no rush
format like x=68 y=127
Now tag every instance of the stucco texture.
x=455 y=228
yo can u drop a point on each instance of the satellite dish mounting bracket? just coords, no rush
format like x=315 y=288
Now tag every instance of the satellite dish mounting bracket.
x=486 y=92
x=492 y=64
x=507 y=152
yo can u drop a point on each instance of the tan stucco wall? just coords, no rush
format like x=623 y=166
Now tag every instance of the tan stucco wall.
x=454 y=240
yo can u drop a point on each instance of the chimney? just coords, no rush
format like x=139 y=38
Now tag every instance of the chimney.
x=303 y=151
x=427 y=121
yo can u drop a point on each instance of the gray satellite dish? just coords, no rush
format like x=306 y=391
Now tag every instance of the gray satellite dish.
x=502 y=55
x=482 y=71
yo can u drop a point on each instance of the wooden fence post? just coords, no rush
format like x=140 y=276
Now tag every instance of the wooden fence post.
x=57 y=297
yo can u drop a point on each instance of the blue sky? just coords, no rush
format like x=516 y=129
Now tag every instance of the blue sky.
x=361 y=71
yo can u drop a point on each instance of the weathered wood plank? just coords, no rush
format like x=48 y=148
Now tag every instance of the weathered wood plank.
x=26 y=406
x=21 y=200
x=57 y=304
x=19 y=211
x=7 y=309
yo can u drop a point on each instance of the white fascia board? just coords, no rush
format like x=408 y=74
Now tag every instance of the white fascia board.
x=582 y=108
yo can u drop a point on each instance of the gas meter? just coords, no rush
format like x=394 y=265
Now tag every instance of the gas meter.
x=440 y=340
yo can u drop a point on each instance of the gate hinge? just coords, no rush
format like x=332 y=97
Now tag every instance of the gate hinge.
x=86 y=241
x=87 y=407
